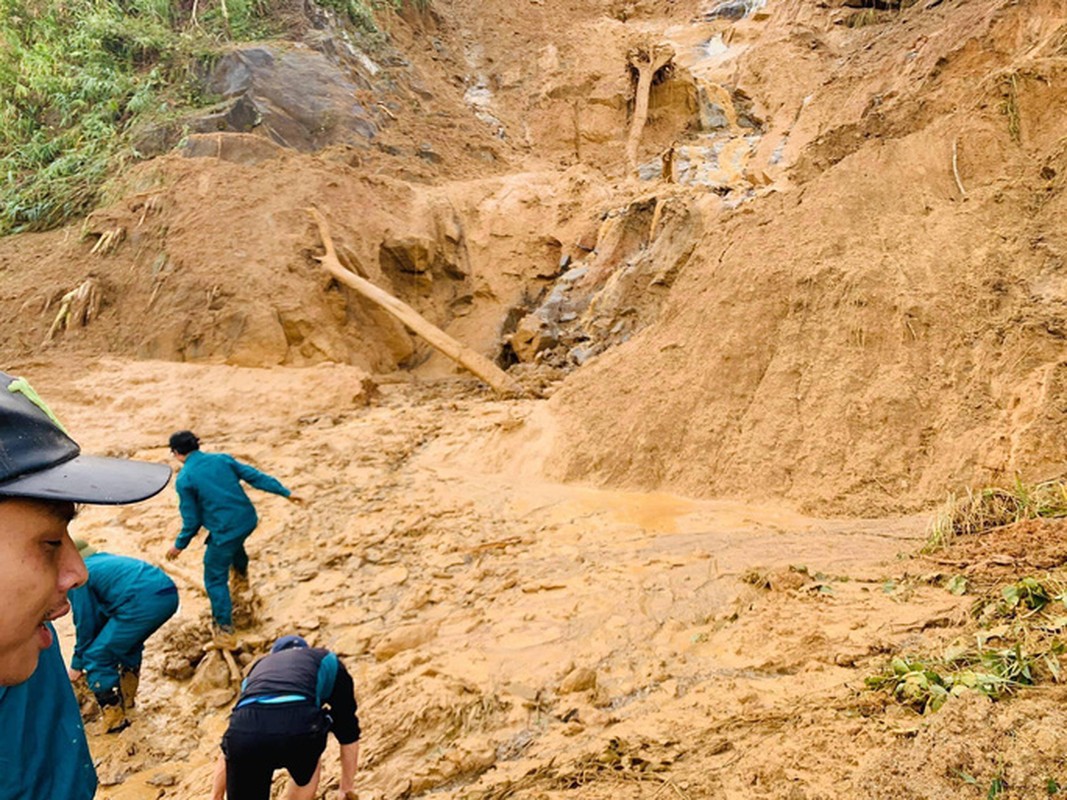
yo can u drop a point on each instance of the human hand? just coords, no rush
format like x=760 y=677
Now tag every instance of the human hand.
x=296 y=499
x=74 y=674
x=349 y=795
x=173 y=553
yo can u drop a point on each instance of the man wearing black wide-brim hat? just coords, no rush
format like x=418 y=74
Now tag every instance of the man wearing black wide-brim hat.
x=43 y=752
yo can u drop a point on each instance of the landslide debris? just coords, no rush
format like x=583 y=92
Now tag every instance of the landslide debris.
x=832 y=278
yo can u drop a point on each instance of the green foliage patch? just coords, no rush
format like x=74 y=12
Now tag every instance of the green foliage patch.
x=77 y=75
x=1017 y=643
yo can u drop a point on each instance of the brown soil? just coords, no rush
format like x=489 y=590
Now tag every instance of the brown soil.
x=671 y=578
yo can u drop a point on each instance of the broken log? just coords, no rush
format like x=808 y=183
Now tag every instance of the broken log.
x=478 y=364
x=647 y=60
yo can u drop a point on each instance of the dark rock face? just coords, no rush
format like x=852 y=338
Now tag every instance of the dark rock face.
x=300 y=98
x=731 y=9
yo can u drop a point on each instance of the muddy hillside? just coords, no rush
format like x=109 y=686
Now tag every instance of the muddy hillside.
x=826 y=268
x=771 y=278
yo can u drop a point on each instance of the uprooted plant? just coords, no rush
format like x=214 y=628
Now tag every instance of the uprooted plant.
x=1016 y=644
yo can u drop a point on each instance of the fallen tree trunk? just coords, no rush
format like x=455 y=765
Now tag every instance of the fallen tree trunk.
x=478 y=364
x=647 y=60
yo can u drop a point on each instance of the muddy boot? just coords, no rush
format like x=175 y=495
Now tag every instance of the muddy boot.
x=129 y=680
x=90 y=709
x=244 y=600
x=224 y=637
x=113 y=713
x=239 y=584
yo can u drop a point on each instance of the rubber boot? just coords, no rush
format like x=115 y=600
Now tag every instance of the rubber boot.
x=129 y=680
x=113 y=713
x=224 y=637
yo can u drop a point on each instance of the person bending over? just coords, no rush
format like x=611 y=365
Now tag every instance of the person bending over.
x=124 y=602
x=290 y=700
x=210 y=495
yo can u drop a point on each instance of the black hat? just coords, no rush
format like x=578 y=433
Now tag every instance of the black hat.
x=38 y=459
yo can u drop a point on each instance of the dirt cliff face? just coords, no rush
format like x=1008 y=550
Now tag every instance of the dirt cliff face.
x=888 y=322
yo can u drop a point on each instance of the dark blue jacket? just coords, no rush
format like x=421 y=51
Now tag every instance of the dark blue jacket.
x=210 y=496
x=313 y=673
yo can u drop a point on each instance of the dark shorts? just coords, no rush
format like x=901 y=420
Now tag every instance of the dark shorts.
x=263 y=738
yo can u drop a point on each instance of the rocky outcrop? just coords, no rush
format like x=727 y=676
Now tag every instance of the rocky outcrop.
x=299 y=98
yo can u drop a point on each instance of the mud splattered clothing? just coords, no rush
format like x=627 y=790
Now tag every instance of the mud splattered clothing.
x=210 y=496
x=289 y=702
x=39 y=719
x=123 y=602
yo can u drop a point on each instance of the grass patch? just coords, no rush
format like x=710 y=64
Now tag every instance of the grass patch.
x=1010 y=105
x=361 y=12
x=863 y=18
x=989 y=508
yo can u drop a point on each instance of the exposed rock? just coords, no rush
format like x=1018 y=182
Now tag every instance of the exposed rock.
x=532 y=335
x=299 y=98
x=579 y=679
x=403 y=638
x=236 y=148
x=217 y=698
x=212 y=674
x=179 y=668
x=408 y=254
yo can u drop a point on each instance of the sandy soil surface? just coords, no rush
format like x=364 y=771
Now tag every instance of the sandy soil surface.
x=511 y=636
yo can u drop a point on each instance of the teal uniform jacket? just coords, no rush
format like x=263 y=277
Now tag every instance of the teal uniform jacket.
x=123 y=602
x=43 y=752
x=210 y=496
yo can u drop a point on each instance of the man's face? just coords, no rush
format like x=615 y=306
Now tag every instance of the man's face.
x=38 y=564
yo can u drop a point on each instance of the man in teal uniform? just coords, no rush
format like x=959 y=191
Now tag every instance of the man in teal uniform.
x=210 y=495
x=124 y=602
x=43 y=752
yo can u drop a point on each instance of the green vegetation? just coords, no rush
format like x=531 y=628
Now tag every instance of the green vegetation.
x=1017 y=643
x=975 y=512
x=77 y=75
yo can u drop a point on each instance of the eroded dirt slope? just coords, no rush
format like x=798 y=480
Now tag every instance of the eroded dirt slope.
x=868 y=336
x=831 y=285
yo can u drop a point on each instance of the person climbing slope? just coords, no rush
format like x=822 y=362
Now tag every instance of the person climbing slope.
x=43 y=751
x=123 y=603
x=292 y=698
x=210 y=495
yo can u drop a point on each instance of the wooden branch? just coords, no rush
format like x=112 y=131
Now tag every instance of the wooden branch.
x=231 y=662
x=478 y=364
x=174 y=571
x=956 y=167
